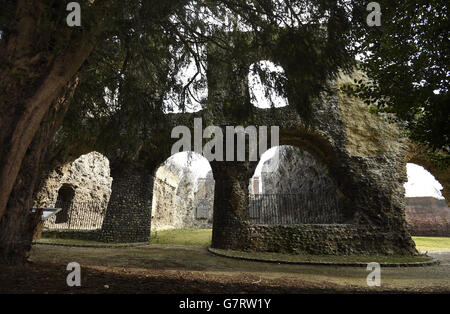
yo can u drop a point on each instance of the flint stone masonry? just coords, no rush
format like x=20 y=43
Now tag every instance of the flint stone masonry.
x=363 y=154
x=323 y=240
x=89 y=175
x=369 y=176
x=295 y=189
x=294 y=171
x=204 y=200
x=87 y=235
x=128 y=216
x=163 y=204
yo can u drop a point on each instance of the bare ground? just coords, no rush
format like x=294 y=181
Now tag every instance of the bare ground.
x=191 y=269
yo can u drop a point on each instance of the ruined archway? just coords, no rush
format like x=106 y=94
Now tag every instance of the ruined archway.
x=183 y=193
x=433 y=163
x=363 y=154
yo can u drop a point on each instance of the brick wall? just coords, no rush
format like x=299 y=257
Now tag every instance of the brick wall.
x=428 y=216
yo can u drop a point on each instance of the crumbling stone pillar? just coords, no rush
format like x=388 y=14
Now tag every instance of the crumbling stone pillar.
x=128 y=216
x=231 y=197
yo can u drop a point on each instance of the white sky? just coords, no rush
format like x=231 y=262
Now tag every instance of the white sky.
x=421 y=183
x=259 y=98
x=199 y=164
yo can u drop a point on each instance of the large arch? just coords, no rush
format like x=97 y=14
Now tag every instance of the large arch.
x=440 y=170
x=293 y=188
x=183 y=193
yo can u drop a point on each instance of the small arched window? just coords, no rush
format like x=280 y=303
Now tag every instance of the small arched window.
x=266 y=81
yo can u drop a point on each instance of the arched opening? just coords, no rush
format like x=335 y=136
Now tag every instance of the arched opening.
x=266 y=85
x=190 y=85
x=81 y=189
x=427 y=213
x=183 y=194
x=64 y=201
x=291 y=187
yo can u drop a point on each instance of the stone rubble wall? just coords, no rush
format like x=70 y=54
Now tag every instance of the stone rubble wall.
x=324 y=239
x=294 y=171
x=296 y=188
x=204 y=199
x=89 y=177
x=181 y=201
x=164 y=201
x=364 y=154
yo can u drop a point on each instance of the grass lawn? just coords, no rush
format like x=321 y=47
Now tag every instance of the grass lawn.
x=78 y=242
x=182 y=236
x=432 y=244
x=202 y=237
x=292 y=258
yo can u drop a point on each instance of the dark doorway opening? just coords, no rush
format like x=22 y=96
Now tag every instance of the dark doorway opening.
x=65 y=198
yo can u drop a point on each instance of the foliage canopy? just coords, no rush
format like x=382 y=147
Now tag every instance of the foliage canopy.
x=406 y=61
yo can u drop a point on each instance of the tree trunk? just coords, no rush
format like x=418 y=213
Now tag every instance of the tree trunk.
x=18 y=224
x=39 y=55
x=30 y=81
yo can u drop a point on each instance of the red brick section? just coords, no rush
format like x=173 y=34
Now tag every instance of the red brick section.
x=428 y=216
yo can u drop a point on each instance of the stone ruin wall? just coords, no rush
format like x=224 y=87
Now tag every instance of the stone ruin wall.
x=89 y=177
x=163 y=215
x=176 y=201
x=180 y=201
x=295 y=171
x=204 y=199
x=363 y=153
